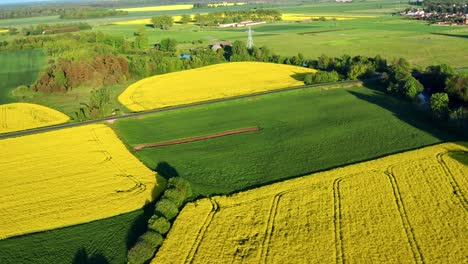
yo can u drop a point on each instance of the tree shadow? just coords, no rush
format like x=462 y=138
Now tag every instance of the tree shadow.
x=166 y=170
x=406 y=112
x=450 y=35
x=299 y=76
x=140 y=224
x=82 y=257
x=460 y=156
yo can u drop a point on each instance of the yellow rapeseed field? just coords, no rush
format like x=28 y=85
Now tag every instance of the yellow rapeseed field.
x=157 y=8
x=211 y=82
x=68 y=177
x=3 y=31
x=405 y=208
x=298 y=17
x=21 y=116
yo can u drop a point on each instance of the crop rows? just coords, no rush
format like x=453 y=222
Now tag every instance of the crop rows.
x=398 y=209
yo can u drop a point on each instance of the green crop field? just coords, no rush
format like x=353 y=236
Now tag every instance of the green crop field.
x=108 y=238
x=390 y=37
x=303 y=131
x=19 y=68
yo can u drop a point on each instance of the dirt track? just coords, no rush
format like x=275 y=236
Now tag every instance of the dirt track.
x=181 y=141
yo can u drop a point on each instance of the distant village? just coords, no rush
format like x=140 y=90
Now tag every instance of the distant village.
x=439 y=14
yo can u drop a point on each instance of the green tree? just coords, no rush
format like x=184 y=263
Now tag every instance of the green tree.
x=185 y=19
x=440 y=105
x=457 y=87
x=162 y=22
x=410 y=87
x=168 y=44
x=141 y=42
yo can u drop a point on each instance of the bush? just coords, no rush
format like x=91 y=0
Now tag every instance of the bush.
x=167 y=209
x=321 y=77
x=145 y=248
x=159 y=224
x=175 y=196
x=440 y=105
x=181 y=185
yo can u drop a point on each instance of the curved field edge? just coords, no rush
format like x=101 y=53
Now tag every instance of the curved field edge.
x=77 y=175
x=304 y=131
x=109 y=237
x=362 y=212
x=22 y=116
x=210 y=82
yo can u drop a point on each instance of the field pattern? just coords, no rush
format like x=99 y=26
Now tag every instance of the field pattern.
x=300 y=17
x=67 y=177
x=405 y=208
x=157 y=8
x=211 y=82
x=21 y=116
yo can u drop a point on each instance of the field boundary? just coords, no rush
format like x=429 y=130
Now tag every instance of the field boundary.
x=199 y=138
x=324 y=31
x=457 y=191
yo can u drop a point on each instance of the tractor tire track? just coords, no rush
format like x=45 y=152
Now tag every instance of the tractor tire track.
x=457 y=191
x=138 y=187
x=415 y=249
x=337 y=217
x=196 y=245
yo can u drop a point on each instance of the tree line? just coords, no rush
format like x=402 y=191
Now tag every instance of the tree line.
x=97 y=60
x=64 y=11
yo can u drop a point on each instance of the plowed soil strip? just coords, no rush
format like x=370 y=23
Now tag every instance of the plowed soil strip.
x=181 y=141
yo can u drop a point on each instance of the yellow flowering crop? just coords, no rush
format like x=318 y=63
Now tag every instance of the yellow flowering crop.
x=211 y=82
x=21 y=116
x=147 y=21
x=68 y=177
x=3 y=31
x=225 y=4
x=297 y=17
x=157 y=8
x=404 y=208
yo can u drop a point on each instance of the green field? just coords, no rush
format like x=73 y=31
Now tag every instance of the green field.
x=19 y=68
x=107 y=238
x=390 y=37
x=303 y=131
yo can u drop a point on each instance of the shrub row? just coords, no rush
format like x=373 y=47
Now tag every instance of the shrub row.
x=178 y=191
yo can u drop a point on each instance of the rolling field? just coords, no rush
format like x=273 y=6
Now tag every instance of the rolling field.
x=110 y=237
x=22 y=116
x=405 y=208
x=157 y=8
x=300 y=17
x=19 y=68
x=76 y=175
x=303 y=131
x=211 y=82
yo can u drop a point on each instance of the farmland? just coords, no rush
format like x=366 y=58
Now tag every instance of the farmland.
x=77 y=175
x=21 y=116
x=157 y=8
x=302 y=131
x=19 y=68
x=389 y=210
x=244 y=78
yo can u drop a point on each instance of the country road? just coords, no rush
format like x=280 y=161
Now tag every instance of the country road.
x=171 y=108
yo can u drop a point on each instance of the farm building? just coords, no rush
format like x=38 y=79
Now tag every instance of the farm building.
x=220 y=45
x=242 y=24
